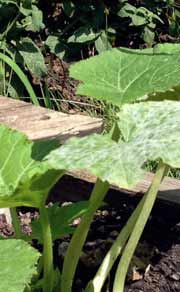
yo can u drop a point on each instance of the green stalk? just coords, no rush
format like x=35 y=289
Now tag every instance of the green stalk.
x=98 y=281
x=47 y=251
x=21 y=76
x=149 y=201
x=76 y=244
x=74 y=249
x=47 y=97
x=16 y=223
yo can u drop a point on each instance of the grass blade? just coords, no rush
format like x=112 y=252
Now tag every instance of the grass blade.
x=21 y=76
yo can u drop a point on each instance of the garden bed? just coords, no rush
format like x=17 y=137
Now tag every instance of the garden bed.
x=156 y=264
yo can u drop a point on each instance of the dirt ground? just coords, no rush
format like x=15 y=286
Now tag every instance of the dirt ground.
x=156 y=264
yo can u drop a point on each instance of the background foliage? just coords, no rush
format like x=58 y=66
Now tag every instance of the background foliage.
x=72 y=30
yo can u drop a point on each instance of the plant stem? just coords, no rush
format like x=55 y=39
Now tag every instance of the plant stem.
x=76 y=244
x=98 y=281
x=16 y=223
x=74 y=249
x=140 y=223
x=47 y=251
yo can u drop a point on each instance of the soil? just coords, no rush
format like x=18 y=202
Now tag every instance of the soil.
x=62 y=90
x=156 y=264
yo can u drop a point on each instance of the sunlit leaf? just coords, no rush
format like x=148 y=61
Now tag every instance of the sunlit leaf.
x=153 y=129
x=120 y=76
x=24 y=178
x=150 y=130
x=99 y=155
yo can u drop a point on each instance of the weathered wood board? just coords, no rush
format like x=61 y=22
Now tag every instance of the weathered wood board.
x=39 y=123
x=169 y=190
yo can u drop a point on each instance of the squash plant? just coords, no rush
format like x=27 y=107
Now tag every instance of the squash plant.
x=147 y=130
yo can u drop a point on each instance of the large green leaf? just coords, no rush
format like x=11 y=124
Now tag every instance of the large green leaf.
x=120 y=76
x=33 y=57
x=99 y=155
x=18 y=260
x=153 y=129
x=24 y=178
x=60 y=219
x=150 y=130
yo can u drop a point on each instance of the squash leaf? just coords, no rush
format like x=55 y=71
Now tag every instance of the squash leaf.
x=124 y=75
x=24 y=178
x=153 y=129
x=102 y=157
x=18 y=260
x=150 y=131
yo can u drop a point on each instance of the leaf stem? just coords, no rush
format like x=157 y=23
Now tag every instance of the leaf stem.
x=140 y=223
x=47 y=251
x=98 y=281
x=16 y=223
x=74 y=249
x=76 y=244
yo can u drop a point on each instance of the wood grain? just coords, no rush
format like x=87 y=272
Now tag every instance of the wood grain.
x=169 y=190
x=39 y=123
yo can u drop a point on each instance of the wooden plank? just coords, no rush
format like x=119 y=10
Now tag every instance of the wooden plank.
x=39 y=123
x=169 y=190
